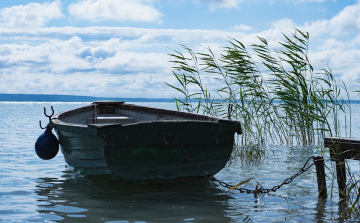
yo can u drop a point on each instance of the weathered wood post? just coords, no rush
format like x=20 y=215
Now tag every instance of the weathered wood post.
x=320 y=173
x=341 y=149
x=341 y=176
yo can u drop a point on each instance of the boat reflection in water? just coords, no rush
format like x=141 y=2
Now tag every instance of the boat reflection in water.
x=101 y=199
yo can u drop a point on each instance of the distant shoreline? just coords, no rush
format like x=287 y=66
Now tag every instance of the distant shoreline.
x=76 y=98
x=72 y=98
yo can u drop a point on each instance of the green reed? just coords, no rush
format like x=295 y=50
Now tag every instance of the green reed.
x=278 y=99
x=276 y=94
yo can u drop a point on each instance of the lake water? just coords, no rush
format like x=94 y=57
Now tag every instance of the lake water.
x=34 y=190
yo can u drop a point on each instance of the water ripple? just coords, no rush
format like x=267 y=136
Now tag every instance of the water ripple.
x=33 y=190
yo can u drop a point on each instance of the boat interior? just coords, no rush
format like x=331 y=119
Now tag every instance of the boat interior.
x=110 y=113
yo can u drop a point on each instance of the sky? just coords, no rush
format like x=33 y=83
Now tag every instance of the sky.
x=120 y=48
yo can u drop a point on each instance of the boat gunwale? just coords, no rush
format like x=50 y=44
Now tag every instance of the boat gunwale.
x=56 y=119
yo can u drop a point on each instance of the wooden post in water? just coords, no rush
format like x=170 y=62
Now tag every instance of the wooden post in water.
x=341 y=149
x=320 y=173
x=341 y=177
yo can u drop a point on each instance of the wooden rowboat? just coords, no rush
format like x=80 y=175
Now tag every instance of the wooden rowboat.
x=139 y=143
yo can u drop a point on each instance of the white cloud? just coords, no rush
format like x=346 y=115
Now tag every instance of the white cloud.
x=120 y=61
x=119 y=10
x=302 y=1
x=242 y=27
x=74 y=66
x=63 y=56
x=140 y=36
x=218 y=4
x=31 y=15
x=275 y=33
x=142 y=85
x=215 y=4
x=345 y=22
x=283 y=25
x=128 y=60
x=124 y=61
x=356 y=41
x=343 y=62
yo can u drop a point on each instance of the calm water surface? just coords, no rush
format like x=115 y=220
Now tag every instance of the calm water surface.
x=34 y=190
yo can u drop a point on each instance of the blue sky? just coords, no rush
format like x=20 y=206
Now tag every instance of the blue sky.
x=119 y=48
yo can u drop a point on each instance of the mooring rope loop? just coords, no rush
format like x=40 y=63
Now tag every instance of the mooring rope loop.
x=261 y=190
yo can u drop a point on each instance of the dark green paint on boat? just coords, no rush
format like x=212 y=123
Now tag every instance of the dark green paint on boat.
x=153 y=152
x=148 y=150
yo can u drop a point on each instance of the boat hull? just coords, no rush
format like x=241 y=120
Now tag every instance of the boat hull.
x=147 y=150
x=83 y=150
x=158 y=150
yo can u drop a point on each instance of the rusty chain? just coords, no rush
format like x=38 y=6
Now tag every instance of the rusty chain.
x=260 y=190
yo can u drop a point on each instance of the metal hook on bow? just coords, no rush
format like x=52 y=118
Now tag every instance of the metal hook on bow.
x=41 y=125
x=49 y=116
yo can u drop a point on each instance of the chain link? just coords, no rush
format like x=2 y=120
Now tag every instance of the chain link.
x=261 y=190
